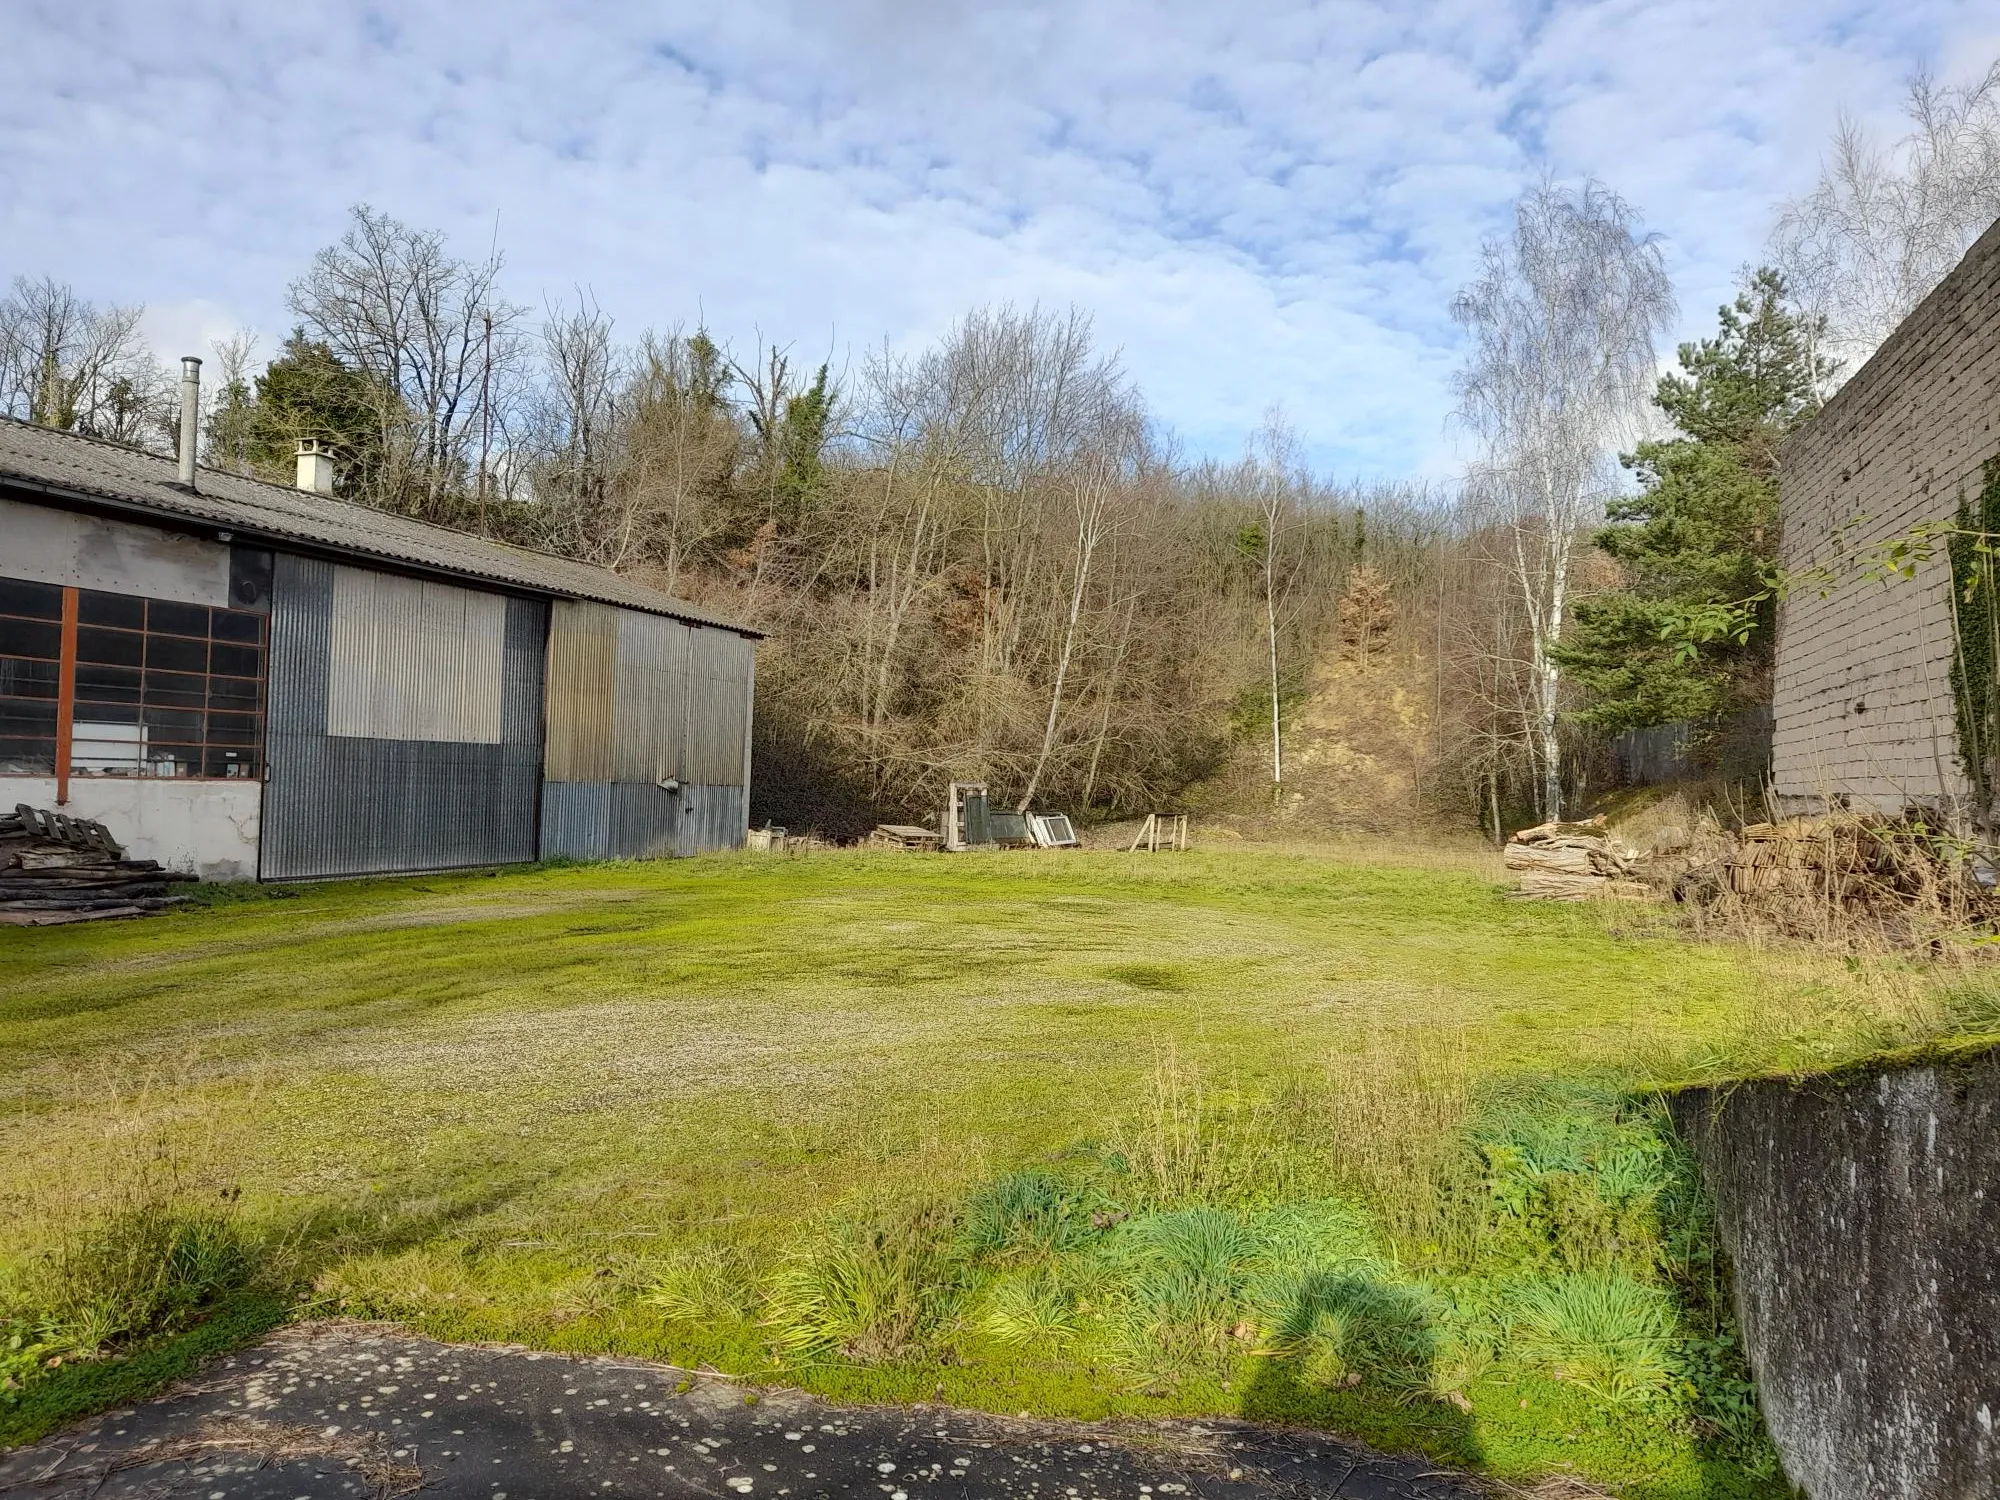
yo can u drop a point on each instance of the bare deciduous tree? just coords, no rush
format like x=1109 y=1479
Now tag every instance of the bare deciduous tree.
x=68 y=363
x=1881 y=227
x=229 y=394
x=439 y=343
x=1562 y=318
x=575 y=420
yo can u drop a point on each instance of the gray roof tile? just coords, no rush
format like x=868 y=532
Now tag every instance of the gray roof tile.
x=66 y=465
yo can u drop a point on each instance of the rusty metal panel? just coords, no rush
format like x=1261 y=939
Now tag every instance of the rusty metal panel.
x=414 y=660
x=720 y=672
x=648 y=736
x=583 y=653
x=348 y=805
x=649 y=713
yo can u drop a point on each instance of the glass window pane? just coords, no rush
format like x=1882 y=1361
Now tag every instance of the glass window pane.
x=232 y=729
x=182 y=726
x=122 y=610
x=30 y=638
x=176 y=689
x=175 y=654
x=166 y=618
x=100 y=746
x=234 y=661
x=40 y=601
x=217 y=761
x=234 y=625
x=172 y=760
x=95 y=684
x=107 y=713
x=232 y=692
x=117 y=648
x=27 y=679
x=18 y=719
x=20 y=757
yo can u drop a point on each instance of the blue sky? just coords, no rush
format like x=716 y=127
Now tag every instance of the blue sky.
x=1260 y=203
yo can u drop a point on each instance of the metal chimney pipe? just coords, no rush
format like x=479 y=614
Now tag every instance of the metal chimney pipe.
x=190 y=416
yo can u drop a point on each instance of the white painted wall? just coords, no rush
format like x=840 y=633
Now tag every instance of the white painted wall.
x=46 y=545
x=207 y=827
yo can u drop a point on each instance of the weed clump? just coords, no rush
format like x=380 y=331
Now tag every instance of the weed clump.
x=1602 y=1331
x=871 y=1288
x=1566 y=1261
x=704 y=1285
x=149 y=1269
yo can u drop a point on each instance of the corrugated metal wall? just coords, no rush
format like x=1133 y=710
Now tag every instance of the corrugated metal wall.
x=413 y=660
x=351 y=804
x=635 y=700
x=583 y=642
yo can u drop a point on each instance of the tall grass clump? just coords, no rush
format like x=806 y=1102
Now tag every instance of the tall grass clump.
x=1193 y=1143
x=1178 y=1309
x=150 y=1267
x=1029 y=1214
x=1392 y=1109
x=706 y=1284
x=1571 y=1179
x=1601 y=1331
x=870 y=1288
x=127 y=1238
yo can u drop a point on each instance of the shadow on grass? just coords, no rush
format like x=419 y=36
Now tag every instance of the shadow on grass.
x=81 y=1388
x=1391 y=1422
x=1357 y=1356
x=291 y=1257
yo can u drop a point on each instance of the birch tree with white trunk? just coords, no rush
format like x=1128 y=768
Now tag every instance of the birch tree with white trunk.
x=1562 y=319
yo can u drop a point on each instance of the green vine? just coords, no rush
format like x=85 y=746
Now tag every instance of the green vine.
x=1976 y=627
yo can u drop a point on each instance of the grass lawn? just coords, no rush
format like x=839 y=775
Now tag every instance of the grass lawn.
x=910 y=1127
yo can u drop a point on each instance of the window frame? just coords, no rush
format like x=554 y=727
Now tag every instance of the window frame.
x=208 y=720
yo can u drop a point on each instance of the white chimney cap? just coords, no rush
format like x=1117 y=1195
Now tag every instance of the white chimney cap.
x=315 y=468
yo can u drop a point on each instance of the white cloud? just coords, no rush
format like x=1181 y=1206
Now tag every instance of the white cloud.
x=1270 y=202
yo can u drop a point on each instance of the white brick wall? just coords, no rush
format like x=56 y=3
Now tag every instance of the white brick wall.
x=1862 y=699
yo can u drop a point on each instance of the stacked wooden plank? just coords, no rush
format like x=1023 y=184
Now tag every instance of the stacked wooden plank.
x=55 y=869
x=903 y=836
x=1574 y=862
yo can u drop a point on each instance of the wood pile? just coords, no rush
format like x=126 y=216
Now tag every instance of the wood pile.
x=1574 y=862
x=56 y=869
x=903 y=836
x=1846 y=876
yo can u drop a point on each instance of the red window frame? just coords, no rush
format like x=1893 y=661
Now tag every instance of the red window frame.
x=171 y=690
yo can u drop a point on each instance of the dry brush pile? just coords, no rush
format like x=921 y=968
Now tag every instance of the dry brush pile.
x=1848 y=879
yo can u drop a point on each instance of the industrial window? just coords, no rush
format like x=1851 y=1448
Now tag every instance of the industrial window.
x=148 y=687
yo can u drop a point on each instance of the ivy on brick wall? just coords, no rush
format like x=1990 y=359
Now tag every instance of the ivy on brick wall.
x=1976 y=624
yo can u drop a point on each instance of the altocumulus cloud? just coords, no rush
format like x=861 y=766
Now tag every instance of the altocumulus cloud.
x=1261 y=203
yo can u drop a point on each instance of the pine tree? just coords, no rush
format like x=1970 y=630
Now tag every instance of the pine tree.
x=309 y=393
x=1703 y=527
x=1367 y=610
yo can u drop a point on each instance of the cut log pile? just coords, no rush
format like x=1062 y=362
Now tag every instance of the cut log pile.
x=1847 y=876
x=56 y=869
x=1574 y=862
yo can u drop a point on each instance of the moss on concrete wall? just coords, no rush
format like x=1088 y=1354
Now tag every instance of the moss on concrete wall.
x=1861 y=1215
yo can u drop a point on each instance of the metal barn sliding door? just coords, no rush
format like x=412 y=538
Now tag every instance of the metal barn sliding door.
x=405 y=724
x=648 y=734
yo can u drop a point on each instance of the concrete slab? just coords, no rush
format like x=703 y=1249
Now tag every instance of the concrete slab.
x=363 y=1412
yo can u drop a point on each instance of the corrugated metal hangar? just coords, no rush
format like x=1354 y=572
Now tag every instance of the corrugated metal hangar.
x=250 y=681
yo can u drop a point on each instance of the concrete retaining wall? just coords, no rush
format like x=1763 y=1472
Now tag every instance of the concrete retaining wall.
x=1861 y=1214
